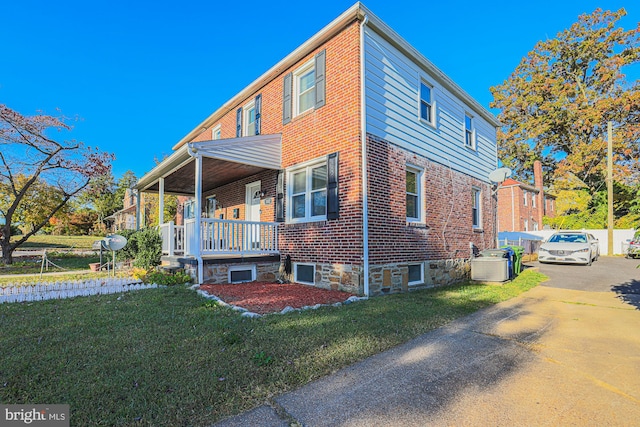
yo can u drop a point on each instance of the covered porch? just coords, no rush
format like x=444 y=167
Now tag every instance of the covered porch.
x=197 y=169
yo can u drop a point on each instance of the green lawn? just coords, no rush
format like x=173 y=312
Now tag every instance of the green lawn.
x=60 y=242
x=62 y=261
x=167 y=357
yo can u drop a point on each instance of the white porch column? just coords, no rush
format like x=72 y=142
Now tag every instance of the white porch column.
x=198 y=217
x=161 y=201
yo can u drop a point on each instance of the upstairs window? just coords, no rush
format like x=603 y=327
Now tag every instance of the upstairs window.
x=216 y=132
x=469 y=139
x=524 y=197
x=249 y=112
x=426 y=103
x=533 y=200
x=304 y=89
x=304 y=82
x=248 y=118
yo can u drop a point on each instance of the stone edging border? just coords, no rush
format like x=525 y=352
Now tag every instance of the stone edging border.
x=288 y=309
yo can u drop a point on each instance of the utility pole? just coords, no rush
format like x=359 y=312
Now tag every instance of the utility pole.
x=610 y=188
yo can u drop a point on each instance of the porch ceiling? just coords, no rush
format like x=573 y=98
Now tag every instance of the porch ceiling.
x=223 y=161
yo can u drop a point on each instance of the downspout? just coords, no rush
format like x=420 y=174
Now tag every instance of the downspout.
x=365 y=175
x=197 y=211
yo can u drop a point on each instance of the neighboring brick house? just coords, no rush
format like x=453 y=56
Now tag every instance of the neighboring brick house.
x=354 y=156
x=125 y=218
x=521 y=207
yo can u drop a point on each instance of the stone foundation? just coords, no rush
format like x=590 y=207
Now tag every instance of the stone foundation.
x=341 y=277
x=394 y=278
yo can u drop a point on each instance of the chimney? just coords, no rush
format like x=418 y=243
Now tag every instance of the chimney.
x=539 y=184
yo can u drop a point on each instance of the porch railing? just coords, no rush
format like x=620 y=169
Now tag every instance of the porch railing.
x=173 y=241
x=229 y=237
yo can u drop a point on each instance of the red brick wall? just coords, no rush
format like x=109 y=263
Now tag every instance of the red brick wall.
x=335 y=127
x=447 y=229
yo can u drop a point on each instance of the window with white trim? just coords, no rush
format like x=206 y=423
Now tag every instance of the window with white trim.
x=249 y=119
x=413 y=186
x=304 y=273
x=304 y=85
x=526 y=225
x=426 y=102
x=469 y=131
x=534 y=196
x=524 y=196
x=242 y=273
x=476 y=207
x=216 y=132
x=189 y=209
x=307 y=192
x=416 y=274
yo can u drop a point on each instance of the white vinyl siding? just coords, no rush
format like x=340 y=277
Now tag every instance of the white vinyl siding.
x=392 y=90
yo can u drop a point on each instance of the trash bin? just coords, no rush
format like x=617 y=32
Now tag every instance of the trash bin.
x=518 y=251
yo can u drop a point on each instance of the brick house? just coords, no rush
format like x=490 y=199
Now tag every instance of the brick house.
x=354 y=157
x=125 y=218
x=521 y=207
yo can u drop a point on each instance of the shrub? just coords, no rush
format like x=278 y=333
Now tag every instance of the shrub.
x=144 y=247
x=167 y=279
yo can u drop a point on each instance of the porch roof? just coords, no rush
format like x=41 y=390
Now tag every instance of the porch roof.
x=223 y=161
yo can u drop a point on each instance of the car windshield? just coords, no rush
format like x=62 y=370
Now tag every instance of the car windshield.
x=568 y=238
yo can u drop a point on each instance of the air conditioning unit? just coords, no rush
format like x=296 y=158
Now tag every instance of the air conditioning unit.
x=490 y=269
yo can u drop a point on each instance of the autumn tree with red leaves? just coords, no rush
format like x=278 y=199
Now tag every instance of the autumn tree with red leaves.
x=32 y=162
x=556 y=104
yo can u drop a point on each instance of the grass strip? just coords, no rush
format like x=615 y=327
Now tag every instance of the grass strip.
x=166 y=357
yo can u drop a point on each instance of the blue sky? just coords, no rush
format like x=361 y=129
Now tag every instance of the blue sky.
x=141 y=75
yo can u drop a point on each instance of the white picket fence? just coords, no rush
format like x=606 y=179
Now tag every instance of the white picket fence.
x=77 y=288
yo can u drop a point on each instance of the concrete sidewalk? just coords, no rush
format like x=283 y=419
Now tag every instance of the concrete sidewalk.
x=549 y=357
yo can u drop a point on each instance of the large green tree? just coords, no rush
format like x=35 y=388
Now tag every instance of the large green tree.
x=556 y=104
x=39 y=175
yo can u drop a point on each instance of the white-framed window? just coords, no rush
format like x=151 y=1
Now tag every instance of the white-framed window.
x=307 y=192
x=249 y=119
x=476 y=207
x=534 y=196
x=535 y=225
x=210 y=206
x=426 y=102
x=304 y=88
x=216 y=132
x=469 y=132
x=242 y=273
x=304 y=273
x=189 y=209
x=413 y=188
x=524 y=197
x=416 y=274
x=526 y=225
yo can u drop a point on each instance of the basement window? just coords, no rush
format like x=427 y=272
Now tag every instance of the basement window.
x=242 y=273
x=416 y=274
x=305 y=273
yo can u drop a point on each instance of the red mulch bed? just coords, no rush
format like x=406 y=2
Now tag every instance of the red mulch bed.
x=264 y=297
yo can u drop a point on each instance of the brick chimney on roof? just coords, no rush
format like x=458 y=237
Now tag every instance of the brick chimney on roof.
x=539 y=184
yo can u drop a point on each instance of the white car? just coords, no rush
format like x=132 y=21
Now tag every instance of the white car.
x=571 y=247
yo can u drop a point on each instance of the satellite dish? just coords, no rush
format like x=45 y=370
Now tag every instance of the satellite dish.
x=500 y=175
x=115 y=242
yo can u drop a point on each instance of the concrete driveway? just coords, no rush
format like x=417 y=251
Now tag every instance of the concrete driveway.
x=553 y=356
